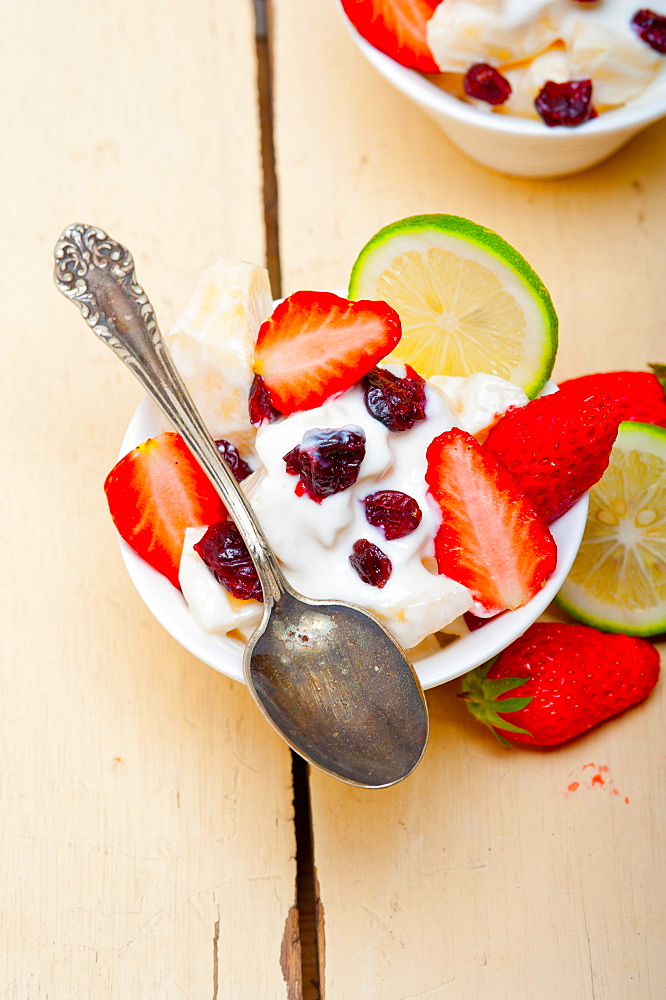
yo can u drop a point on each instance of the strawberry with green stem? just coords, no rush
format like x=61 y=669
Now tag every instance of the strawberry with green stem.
x=557 y=681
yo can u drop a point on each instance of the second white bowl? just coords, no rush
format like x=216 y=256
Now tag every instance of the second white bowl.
x=521 y=147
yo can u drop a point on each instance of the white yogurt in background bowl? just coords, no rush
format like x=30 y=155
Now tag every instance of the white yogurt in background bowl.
x=517 y=34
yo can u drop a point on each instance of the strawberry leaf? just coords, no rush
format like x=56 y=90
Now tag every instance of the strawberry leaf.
x=513 y=704
x=489 y=717
x=501 y=723
x=482 y=697
x=493 y=689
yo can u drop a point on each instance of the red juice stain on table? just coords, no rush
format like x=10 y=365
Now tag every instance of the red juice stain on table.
x=594 y=776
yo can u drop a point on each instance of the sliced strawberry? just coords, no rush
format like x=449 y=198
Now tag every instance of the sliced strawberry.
x=317 y=344
x=154 y=493
x=490 y=539
x=396 y=27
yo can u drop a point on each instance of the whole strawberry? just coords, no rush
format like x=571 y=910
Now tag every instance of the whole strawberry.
x=640 y=395
x=556 y=446
x=557 y=681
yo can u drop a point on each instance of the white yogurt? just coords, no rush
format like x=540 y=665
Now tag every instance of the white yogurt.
x=532 y=41
x=313 y=541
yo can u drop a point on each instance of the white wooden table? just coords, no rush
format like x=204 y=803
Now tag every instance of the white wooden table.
x=148 y=836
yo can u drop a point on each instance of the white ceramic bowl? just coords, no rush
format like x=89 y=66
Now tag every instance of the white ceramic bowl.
x=520 y=147
x=168 y=605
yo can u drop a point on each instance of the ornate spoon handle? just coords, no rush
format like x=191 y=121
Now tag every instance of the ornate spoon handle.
x=97 y=273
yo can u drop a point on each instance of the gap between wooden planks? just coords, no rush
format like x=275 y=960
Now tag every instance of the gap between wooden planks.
x=308 y=904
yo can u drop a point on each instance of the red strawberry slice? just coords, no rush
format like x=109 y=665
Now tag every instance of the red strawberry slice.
x=490 y=539
x=154 y=493
x=557 y=446
x=316 y=345
x=557 y=681
x=396 y=27
x=640 y=395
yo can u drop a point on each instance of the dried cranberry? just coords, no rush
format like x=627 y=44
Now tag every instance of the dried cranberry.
x=473 y=622
x=486 y=84
x=226 y=555
x=237 y=465
x=292 y=461
x=259 y=403
x=396 y=513
x=565 y=104
x=650 y=28
x=396 y=402
x=372 y=565
x=327 y=461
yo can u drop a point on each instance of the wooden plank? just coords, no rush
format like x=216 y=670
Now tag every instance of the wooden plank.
x=147 y=841
x=489 y=873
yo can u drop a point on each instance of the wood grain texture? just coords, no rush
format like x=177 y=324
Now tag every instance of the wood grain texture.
x=489 y=873
x=497 y=874
x=147 y=844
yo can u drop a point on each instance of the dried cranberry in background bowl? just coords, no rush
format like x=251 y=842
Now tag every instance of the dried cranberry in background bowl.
x=520 y=147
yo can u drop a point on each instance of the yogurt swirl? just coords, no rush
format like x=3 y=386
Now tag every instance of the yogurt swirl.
x=531 y=42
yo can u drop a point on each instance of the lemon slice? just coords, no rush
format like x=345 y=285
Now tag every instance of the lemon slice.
x=618 y=579
x=468 y=302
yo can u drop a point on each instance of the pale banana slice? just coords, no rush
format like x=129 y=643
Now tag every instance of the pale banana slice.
x=464 y=32
x=532 y=41
x=213 y=607
x=527 y=81
x=620 y=65
x=212 y=345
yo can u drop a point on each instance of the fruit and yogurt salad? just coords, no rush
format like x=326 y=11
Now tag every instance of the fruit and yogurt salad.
x=561 y=61
x=425 y=498
x=341 y=494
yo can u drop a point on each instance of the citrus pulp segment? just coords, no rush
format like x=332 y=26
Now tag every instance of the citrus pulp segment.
x=466 y=299
x=618 y=579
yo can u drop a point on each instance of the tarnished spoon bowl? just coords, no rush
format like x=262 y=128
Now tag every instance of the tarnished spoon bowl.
x=328 y=675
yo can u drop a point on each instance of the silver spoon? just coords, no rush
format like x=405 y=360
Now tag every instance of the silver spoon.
x=328 y=675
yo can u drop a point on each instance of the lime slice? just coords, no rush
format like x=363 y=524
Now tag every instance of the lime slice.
x=467 y=301
x=618 y=579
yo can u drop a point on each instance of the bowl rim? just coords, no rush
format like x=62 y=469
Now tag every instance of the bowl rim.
x=641 y=111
